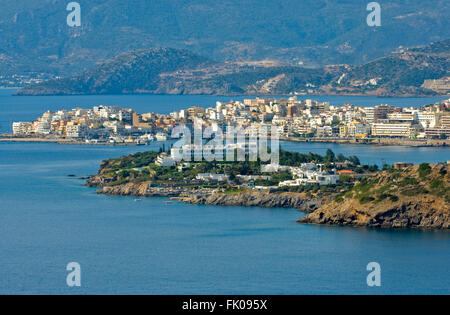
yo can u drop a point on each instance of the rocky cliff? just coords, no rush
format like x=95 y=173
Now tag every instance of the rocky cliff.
x=259 y=199
x=415 y=197
x=208 y=197
x=128 y=189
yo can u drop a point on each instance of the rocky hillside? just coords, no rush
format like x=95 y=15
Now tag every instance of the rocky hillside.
x=401 y=73
x=35 y=34
x=415 y=197
x=173 y=71
x=134 y=72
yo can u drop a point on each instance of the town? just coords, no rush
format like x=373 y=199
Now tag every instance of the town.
x=293 y=118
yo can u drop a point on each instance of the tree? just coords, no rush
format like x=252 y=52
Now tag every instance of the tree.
x=386 y=167
x=330 y=156
x=354 y=159
x=424 y=169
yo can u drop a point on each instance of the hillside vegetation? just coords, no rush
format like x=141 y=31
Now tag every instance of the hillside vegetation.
x=173 y=71
x=417 y=196
x=34 y=34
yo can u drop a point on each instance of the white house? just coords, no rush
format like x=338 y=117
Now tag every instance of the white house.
x=164 y=160
x=208 y=177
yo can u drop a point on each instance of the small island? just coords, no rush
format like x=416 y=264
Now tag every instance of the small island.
x=332 y=190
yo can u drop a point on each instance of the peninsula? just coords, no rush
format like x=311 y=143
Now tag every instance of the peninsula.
x=331 y=190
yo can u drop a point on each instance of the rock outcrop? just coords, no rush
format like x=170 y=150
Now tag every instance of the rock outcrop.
x=421 y=212
x=415 y=197
x=257 y=199
x=128 y=189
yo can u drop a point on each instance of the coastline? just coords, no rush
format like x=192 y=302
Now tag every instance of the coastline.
x=413 y=196
x=377 y=141
x=418 y=212
x=267 y=198
x=60 y=141
x=248 y=93
x=368 y=141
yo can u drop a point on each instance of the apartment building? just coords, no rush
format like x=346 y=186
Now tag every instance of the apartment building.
x=76 y=131
x=443 y=129
x=382 y=111
x=401 y=116
x=394 y=130
x=445 y=121
x=21 y=128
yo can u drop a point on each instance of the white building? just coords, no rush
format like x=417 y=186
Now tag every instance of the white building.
x=126 y=115
x=427 y=120
x=393 y=130
x=164 y=160
x=402 y=116
x=209 y=177
x=77 y=131
x=43 y=127
x=312 y=178
x=370 y=114
x=21 y=128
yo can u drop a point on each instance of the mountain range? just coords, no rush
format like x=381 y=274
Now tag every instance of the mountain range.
x=177 y=71
x=34 y=36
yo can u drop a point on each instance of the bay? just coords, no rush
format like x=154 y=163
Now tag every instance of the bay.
x=126 y=245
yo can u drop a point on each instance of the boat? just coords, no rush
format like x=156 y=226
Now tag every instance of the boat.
x=160 y=136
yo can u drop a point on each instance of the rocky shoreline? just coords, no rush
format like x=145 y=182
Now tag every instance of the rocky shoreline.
x=377 y=141
x=257 y=199
x=422 y=214
x=205 y=196
x=412 y=197
x=369 y=141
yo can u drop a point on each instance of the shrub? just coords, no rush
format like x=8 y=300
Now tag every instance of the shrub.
x=437 y=184
x=383 y=197
x=366 y=199
x=424 y=169
x=414 y=191
x=393 y=198
x=339 y=199
x=349 y=194
x=383 y=189
x=408 y=181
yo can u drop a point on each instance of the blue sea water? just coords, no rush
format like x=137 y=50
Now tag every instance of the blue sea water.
x=126 y=246
x=372 y=154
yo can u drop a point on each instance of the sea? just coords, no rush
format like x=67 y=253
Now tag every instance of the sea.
x=129 y=245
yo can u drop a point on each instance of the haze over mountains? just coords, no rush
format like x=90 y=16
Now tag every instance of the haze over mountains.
x=174 y=71
x=34 y=36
